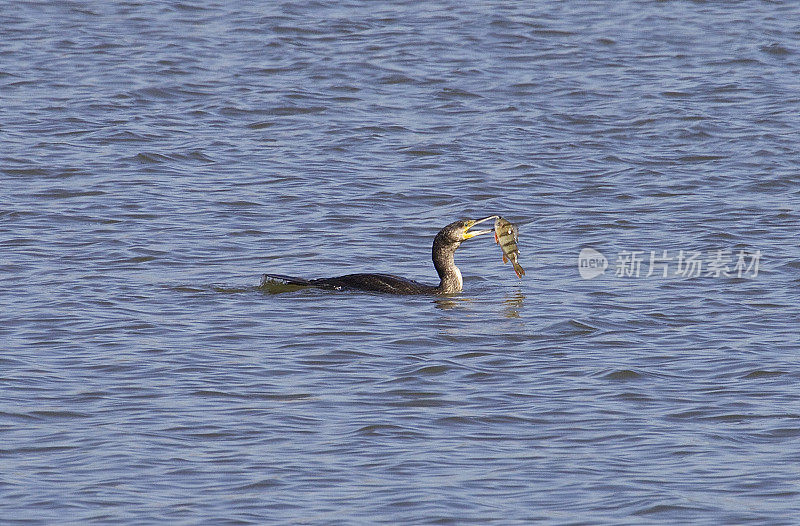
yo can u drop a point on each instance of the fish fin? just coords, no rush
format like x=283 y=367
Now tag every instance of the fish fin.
x=519 y=271
x=505 y=259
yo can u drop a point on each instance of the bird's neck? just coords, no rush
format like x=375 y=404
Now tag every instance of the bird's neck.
x=449 y=276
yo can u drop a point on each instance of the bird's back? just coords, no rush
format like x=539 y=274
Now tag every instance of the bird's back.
x=375 y=283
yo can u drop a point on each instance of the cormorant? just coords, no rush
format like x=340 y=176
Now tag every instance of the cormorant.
x=444 y=247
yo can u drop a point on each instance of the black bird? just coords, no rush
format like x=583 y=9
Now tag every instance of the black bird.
x=444 y=247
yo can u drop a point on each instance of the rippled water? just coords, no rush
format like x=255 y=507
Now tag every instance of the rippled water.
x=156 y=158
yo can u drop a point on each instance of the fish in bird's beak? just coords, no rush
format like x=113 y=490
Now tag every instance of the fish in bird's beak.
x=471 y=223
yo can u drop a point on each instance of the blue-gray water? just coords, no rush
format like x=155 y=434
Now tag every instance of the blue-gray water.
x=157 y=157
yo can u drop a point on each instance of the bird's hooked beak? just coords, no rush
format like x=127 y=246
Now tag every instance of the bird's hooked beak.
x=471 y=223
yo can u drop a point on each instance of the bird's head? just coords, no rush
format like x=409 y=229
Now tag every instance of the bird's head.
x=459 y=231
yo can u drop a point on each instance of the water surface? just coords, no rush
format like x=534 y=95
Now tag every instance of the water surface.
x=158 y=157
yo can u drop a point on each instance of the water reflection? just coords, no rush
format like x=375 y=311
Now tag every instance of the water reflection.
x=452 y=302
x=513 y=304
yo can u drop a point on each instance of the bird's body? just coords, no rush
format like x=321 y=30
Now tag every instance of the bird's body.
x=374 y=283
x=444 y=247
